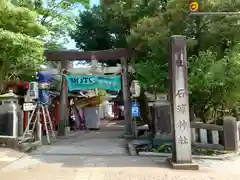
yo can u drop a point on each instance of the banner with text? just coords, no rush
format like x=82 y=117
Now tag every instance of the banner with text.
x=87 y=82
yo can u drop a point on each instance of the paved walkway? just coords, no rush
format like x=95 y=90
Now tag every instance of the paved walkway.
x=95 y=156
x=8 y=156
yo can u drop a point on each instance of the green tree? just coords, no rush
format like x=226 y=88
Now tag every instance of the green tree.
x=147 y=26
x=211 y=38
x=98 y=31
x=108 y=26
x=56 y=15
x=219 y=81
x=21 y=50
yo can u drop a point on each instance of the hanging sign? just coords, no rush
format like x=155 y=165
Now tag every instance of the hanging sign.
x=87 y=82
x=29 y=106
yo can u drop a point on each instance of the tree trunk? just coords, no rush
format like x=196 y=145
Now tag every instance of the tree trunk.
x=192 y=117
x=200 y=114
x=235 y=113
x=144 y=109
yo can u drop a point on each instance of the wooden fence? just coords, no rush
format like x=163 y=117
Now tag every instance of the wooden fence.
x=225 y=137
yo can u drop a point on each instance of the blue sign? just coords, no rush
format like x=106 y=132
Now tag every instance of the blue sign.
x=88 y=82
x=135 y=109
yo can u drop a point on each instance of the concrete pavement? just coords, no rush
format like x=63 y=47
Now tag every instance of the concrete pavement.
x=8 y=156
x=100 y=155
x=45 y=167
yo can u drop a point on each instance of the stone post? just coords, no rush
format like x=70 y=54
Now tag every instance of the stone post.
x=178 y=94
x=39 y=132
x=230 y=133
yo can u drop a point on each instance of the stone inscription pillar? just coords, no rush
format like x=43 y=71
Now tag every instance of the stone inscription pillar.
x=182 y=155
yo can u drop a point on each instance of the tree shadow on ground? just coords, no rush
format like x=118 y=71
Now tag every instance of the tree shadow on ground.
x=103 y=148
x=100 y=161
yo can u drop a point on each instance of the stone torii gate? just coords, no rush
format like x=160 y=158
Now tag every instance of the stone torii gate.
x=104 y=55
x=178 y=94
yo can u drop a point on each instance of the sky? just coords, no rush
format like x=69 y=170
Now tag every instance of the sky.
x=94 y=2
x=71 y=44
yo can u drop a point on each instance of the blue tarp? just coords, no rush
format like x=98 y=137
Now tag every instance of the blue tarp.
x=44 y=77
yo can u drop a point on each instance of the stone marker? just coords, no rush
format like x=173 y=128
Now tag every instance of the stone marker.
x=182 y=155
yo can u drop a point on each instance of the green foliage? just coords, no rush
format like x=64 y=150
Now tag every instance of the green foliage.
x=167 y=148
x=215 y=80
x=20 y=56
x=150 y=75
x=146 y=27
x=57 y=16
x=97 y=28
x=93 y=33
x=24 y=25
x=21 y=53
x=213 y=61
x=15 y=18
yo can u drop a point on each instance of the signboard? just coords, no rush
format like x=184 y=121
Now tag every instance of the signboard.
x=29 y=106
x=135 y=110
x=180 y=101
x=88 y=82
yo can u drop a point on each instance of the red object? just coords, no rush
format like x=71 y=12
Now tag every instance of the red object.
x=82 y=121
x=21 y=84
x=115 y=110
x=57 y=113
x=16 y=86
x=83 y=118
x=25 y=119
x=42 y=121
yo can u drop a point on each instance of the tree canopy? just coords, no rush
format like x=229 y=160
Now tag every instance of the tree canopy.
x=57 y=16
x=21 y=50
x=146 y=27
x=28 y=27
